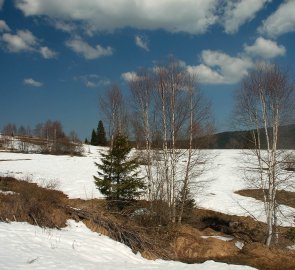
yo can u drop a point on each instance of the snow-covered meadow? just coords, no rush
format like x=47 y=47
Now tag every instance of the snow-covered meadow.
x=74 y=176
x=24 y=246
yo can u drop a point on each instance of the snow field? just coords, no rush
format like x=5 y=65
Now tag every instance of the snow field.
x=74 y=177
x=24 y=246
x=224 y=178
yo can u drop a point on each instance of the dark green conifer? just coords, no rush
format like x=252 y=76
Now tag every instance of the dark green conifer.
x=118 y=175
x=93 y=140
x=101 y=135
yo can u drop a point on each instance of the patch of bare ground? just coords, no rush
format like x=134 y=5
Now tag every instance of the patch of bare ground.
x=30 y=203
x=144 y=227
x=283 y=197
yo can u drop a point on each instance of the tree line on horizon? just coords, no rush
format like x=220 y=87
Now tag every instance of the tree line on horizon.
x=47 y=138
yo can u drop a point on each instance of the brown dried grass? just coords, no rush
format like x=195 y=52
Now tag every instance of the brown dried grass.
x=31 y=203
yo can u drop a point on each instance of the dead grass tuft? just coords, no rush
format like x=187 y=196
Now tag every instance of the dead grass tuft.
x=31 y=203
x=283 y=197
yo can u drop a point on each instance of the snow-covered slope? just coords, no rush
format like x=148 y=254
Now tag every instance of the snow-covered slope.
x=24 y=246
x=224 y=178
x=73 y=175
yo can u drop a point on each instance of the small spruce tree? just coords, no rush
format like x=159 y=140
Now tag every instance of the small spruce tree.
x=118 y=175
x=101 y=135
x=93 y=140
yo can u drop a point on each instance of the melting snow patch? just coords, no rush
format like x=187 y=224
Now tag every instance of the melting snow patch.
x=7 y=192
x=223 y=238
x=239 y=245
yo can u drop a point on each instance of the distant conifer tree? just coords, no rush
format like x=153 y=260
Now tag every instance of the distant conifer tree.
x=93 y=140
x=101 y=135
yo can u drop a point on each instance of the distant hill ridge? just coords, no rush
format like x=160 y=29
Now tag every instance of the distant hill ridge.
x=242 y=139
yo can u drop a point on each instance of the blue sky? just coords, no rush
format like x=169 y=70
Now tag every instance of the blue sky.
x=57 y=57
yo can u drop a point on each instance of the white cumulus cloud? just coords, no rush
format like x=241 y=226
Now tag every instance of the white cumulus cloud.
x=4 y=27
x=238 y=12
x=93 y=80
x=129 y=76
x=191 y=16
x=47 y=53
x=220 y=68
x=142 y=42
x=32 y=82
x=23 y=40
x=265 y=48
x=64 y=26
x=206 y=74
x=172 y=15
x=88 y=52
x=281 y=21
x=215 y=68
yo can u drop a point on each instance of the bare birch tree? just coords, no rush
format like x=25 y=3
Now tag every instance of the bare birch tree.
x=264 y=103
x=112 y=104
x=141 y=87
x=169 y=109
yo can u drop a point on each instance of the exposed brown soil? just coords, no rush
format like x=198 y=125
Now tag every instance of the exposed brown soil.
x=149 y=233
x=283 y=197
x=259 y=256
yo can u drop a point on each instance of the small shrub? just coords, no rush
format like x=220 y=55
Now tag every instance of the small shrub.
x=152 y=214
x=291 y=234
x=50 y=184
x=289 y=164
